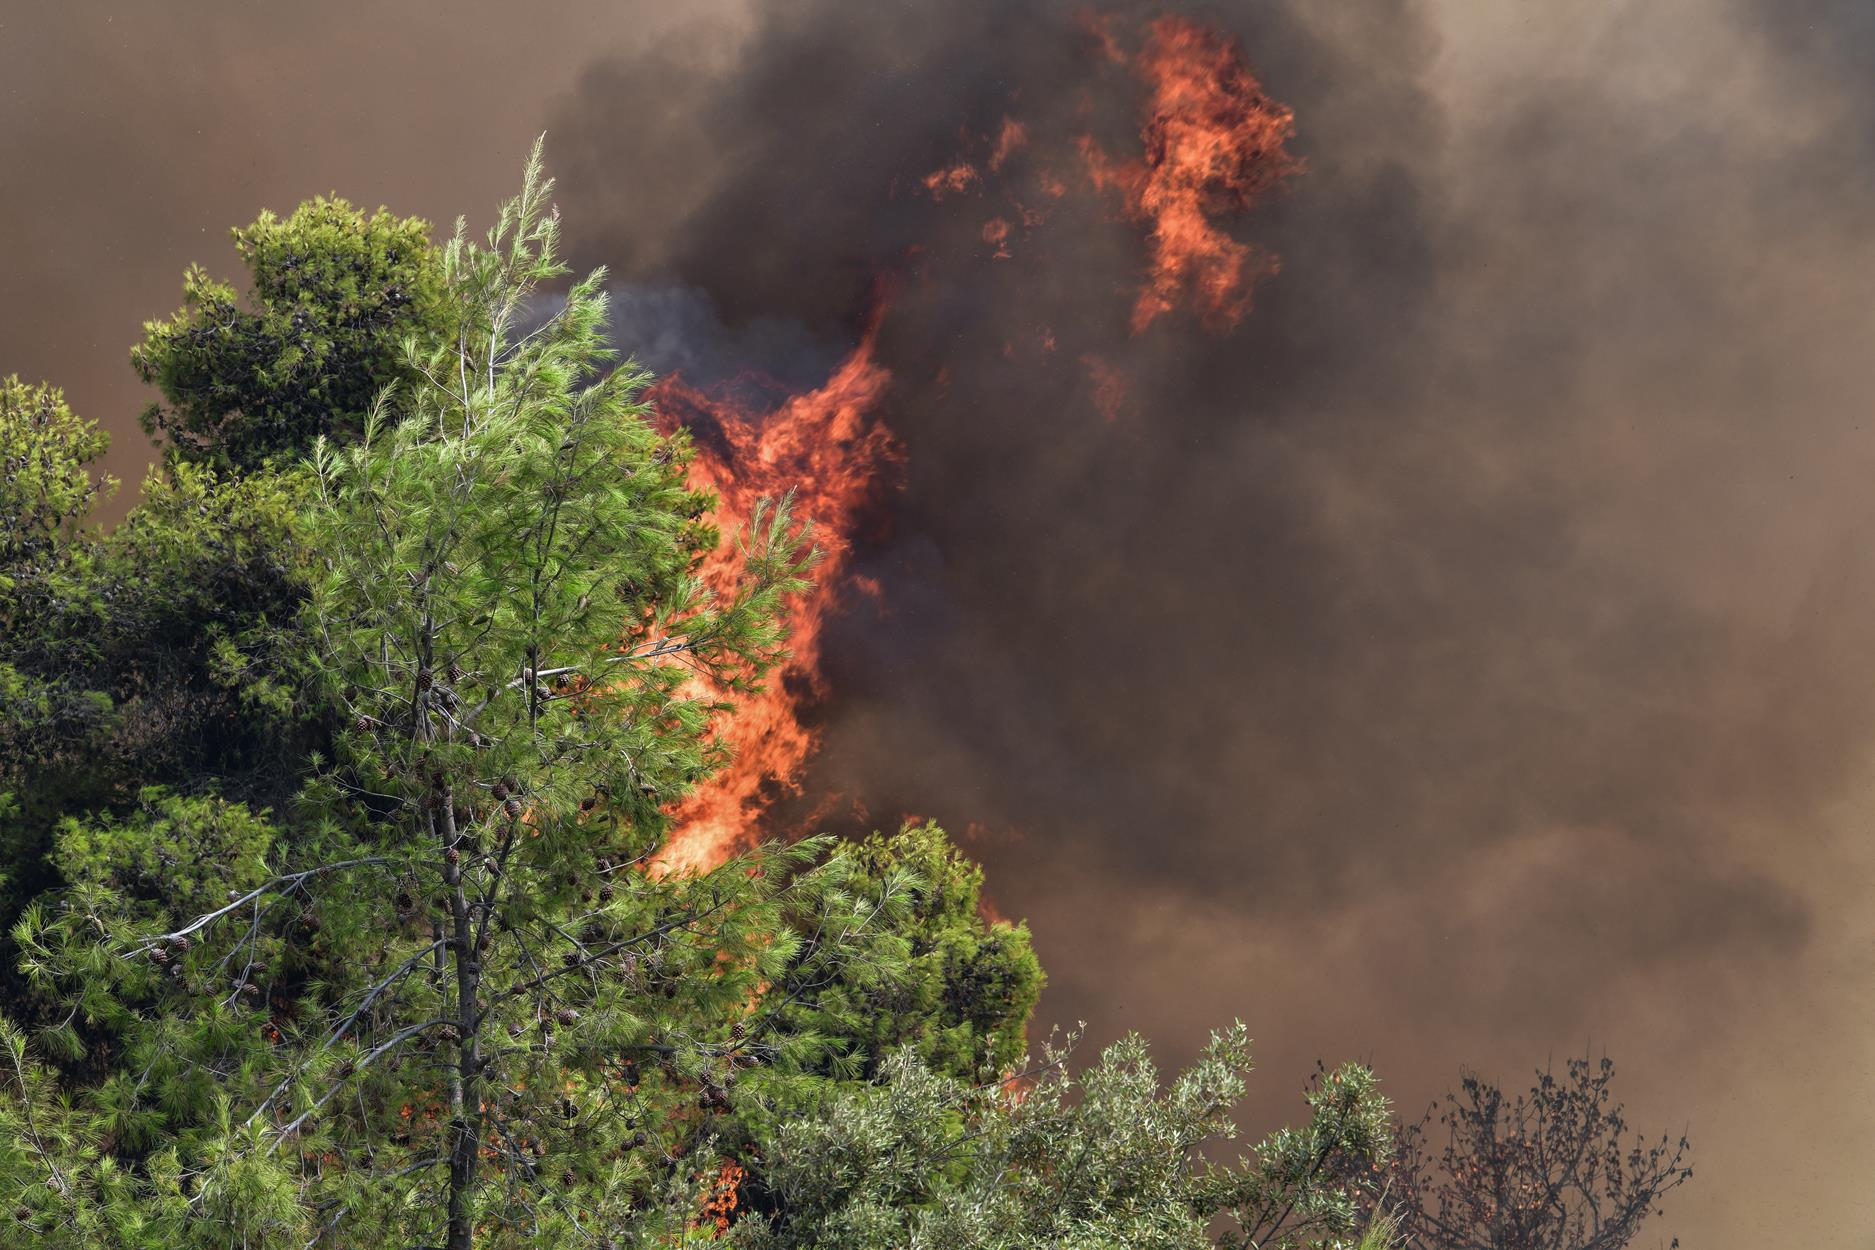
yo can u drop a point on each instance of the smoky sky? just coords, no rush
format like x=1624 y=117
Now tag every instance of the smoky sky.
x=1465 y=660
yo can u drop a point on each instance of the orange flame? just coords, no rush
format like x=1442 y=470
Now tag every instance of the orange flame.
x=953 y=180
x=1213 y=145
x=824 y=446
x=1010 y=139
x=996 y=234
x=721 y=1199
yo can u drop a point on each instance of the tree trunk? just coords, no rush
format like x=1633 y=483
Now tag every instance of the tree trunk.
x=465 y=1094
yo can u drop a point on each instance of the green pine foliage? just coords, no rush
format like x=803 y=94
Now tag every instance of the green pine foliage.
x=173 y=858
x=969 y=984
x=507 y=611
x=930 y=975
x=456 y=1007
x=333 y=295
x=46 y=487
x=167 y=652
x=330 y=783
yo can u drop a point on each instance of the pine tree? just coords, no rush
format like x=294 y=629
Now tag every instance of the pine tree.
x=165 y=652
x=968 y=985
x=422 y=987
x=333 y=295
x=505 y=608
x=454 y=1004
x=46 y=487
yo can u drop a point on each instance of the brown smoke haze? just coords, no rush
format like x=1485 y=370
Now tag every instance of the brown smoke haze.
x=1467 y=659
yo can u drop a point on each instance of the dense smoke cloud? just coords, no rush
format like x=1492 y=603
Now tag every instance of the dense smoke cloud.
x=1464 y=659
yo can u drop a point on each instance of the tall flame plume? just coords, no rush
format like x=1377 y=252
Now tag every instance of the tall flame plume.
x=1212 y=143
x=826 y=447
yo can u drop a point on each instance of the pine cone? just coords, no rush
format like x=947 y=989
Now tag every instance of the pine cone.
x=567 y=1016
x=512 y=807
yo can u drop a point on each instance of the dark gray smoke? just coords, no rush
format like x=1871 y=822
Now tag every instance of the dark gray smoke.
x=1464 y=660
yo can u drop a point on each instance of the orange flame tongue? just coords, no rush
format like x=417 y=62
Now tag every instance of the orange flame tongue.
x=1214 y=144
x=823 y=446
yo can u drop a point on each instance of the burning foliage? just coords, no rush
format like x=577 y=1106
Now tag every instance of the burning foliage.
x=1211 y=144
x=827 y=447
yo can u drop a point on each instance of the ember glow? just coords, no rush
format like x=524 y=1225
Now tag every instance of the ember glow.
x=826 y=446
x=1108 y=383
x=1212 y=143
